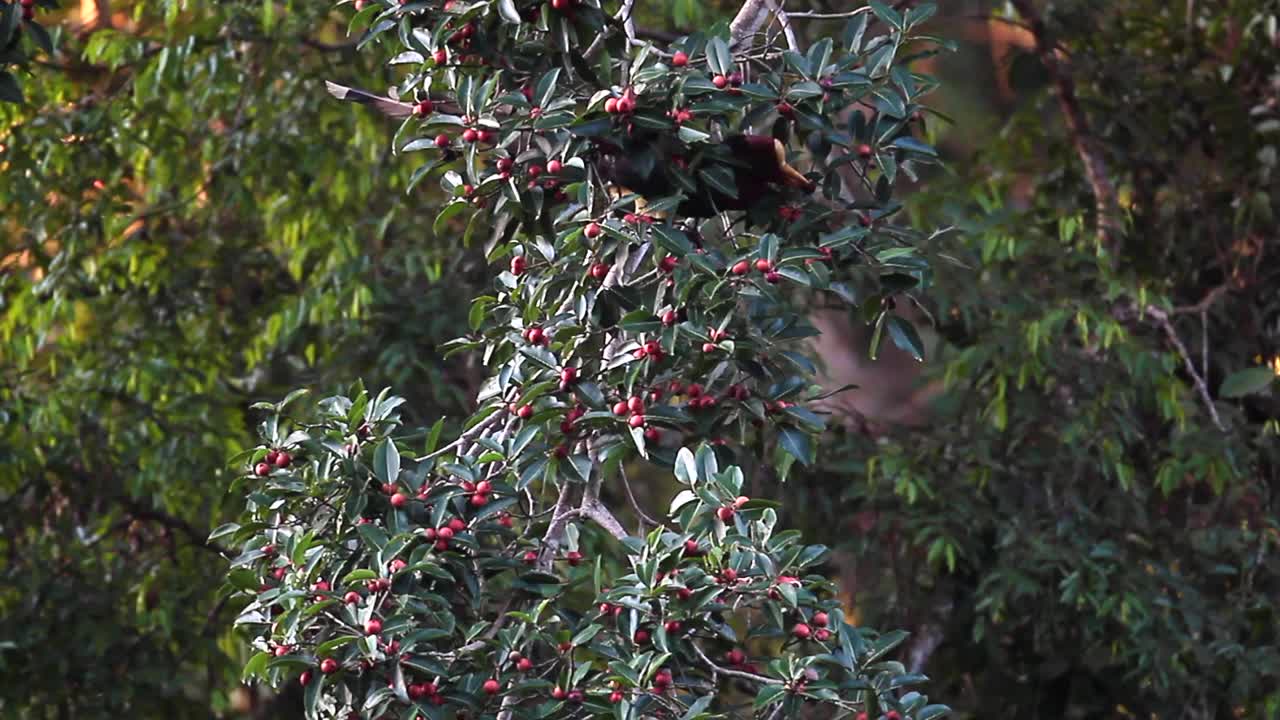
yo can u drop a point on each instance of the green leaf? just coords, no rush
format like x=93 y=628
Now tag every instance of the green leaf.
x=686 y=469
x=797 y=443
x=892 y=17
x=10 y=91
x=507 y=9
x=768 y=695
x=904 y=335
x=1246 y=382
x=386 y=461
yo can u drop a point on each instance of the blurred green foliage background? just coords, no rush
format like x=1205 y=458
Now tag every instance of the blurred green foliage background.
x=189 y=224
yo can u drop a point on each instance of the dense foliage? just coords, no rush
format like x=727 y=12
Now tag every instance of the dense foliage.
x=191 y=224
x=653 y=248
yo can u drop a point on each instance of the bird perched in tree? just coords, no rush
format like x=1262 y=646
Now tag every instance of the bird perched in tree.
x=735 y=175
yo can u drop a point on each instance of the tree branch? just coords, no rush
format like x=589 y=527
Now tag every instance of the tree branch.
x=785 y=21
x=748 y=21
x=758 y=679
x=1162 y=320
x=560 y=516
x=1082 y=138
x=198 y=537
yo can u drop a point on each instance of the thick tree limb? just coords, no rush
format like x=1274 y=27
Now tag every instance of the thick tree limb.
x=1082 y=138
x=749 y=20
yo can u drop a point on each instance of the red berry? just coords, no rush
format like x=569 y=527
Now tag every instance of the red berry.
x=892 y=715
x=305 y=678
x=642 y=637
x=574 y=557
x=620 y=408
x=442 y=141
x=554 y=167
x=536 y=336
x=635 y=404
x=270 y=459
x=525 y=412
x=735 y=657
x=636 y=421
x=742 y=267
x=709 y=347
x=801 y=631
x=692 y=391
x=373 y=627
x=484 y=487
x=569 y=375
x=351 y=598
x=441 y=56
x=262 y=469
x=445 y=533
x=864 y=150
x=785 y=109
x=820 y=619
x=763 y=265
x=329 y=666
x=442 y=545
x=669 y=318
x=599 y=271
x=470 y=135
x=668 y=264
x=773 y=278
x=321 y=586
x=735 y=79
x=611 y=105
x=424 y=108
x=558 y=693
x=530 y=557
x=720 y=81
x=729 y=575
x=725 y=513
x=615 y=697
x=399 y=500
x=822 y=635
x=691 y=547
x=479 y=500
x=680 y=59
x=429 y=533
x=457 y=525
x=626 y=105
x=592 y=230
x=524 y=664
x=491 y=686
x=576 y=696
x=672 y=626
x=651 y=434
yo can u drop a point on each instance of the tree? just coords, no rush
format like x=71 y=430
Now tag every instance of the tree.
x=1088 y=526
x=657 y=249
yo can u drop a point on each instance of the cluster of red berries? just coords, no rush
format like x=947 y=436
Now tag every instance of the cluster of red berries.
x=732 y=80
x=716 y=335
x=679 y=116
x=827 y=255
x=624 y=105
x=442 y=535
x=651 y=349
x=633 y=409
x=273 y=459
x=574 y=696
x=28 y=9
x=805 y=630
x=425 y=691
x=764 y=265
x=479 y=492
x=534 y=335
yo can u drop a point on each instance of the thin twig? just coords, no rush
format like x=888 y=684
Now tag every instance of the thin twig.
x=635 y=505
x=830 y=16
x=785 y=21
x=758 y=679
x=1162 y=319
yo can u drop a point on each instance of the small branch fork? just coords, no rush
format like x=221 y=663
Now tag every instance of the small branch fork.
x=1161 y=319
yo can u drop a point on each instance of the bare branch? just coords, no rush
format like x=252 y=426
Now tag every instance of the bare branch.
x=560 y=516
x=749 y=20
x=785 y=21
x=752 y=677
x=1082 y=137
x=1161 y=319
